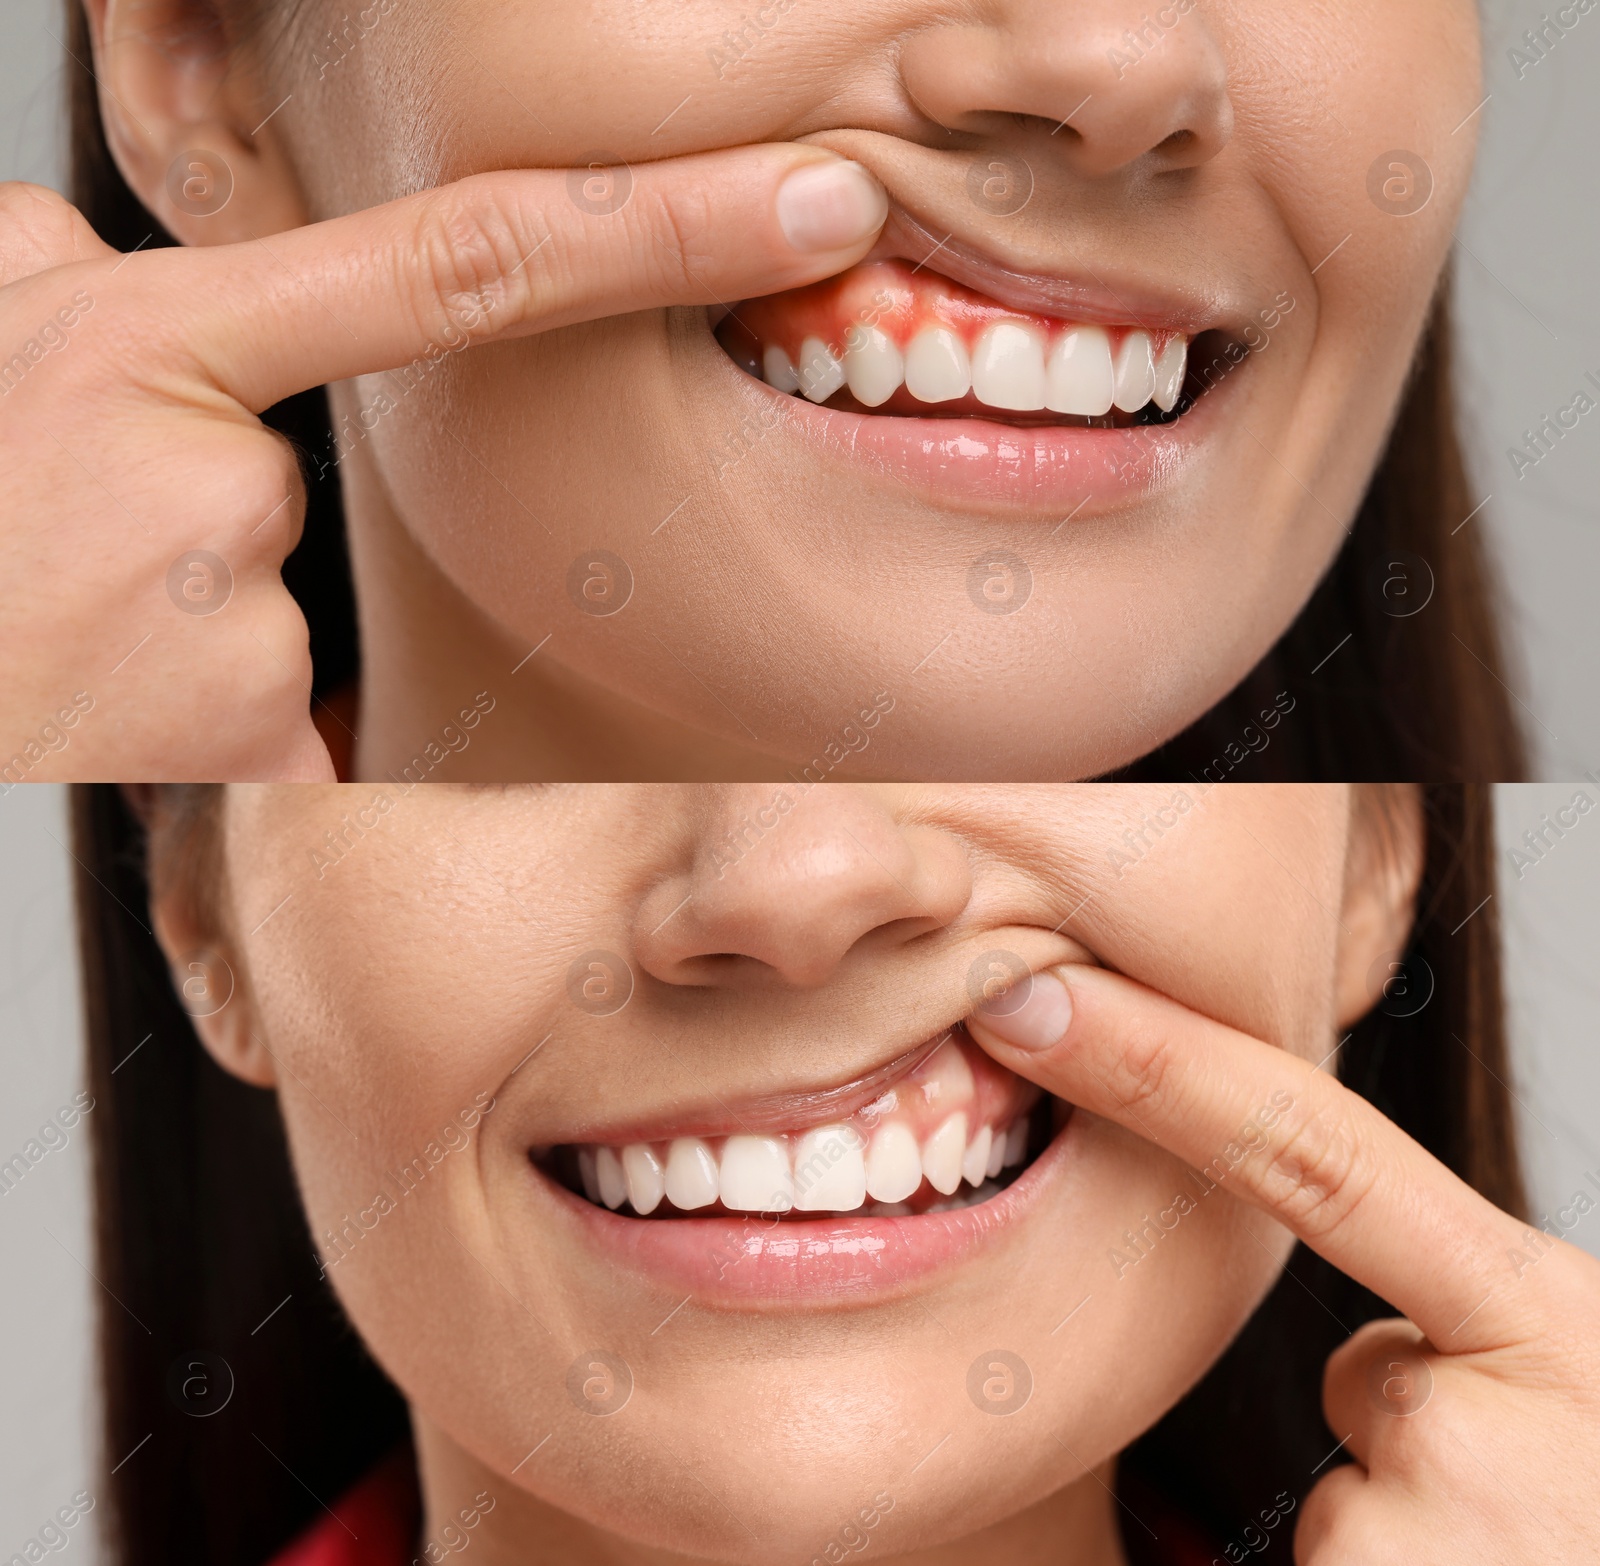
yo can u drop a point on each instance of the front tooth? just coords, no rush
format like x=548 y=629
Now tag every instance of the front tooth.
x=821 y=374
x=586 y=1172
x=938 y=367
x=997 y=1156
x=691 y=1174
x=975 y=1161
x=872 y=366
x=642 y=1169
x=1171 y=368
x=830 y=1175
x=755 y=1175
x=776 y=370
x=613 y=1183
x=1135 y=372
x=1008 y=367
x=942 y=1152
x=1016 y=1142
x=894 y=1165
x=1079 y=378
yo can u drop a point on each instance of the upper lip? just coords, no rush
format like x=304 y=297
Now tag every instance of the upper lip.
x=773 y=1112
x=1091 y=297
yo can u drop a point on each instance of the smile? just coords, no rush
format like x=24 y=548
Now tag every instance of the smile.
x=848 y=1204
x=909 y=343
x=980 y=389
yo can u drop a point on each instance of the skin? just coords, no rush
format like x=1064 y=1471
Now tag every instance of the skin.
x=411 y=976
x=1231 y=161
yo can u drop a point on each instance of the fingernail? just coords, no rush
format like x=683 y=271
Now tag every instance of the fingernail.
x=830 y=206
x=1030 y=1015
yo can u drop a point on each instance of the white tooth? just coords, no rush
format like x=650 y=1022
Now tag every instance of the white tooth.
x=1078 y=377
x=938 y=367
x=1170 y=370
x=755 y=1175
x=643 y=1171
x=1017 y=1142
x=821 y=374
x=613 y=1184
x=997 y=1156
x=941 y=1154
x=586 y=1172
x=830 y=1175
x=1008 y=367
x=1135 y=372
x=872 y=365
x=894 y=1166
x=691 y=1174
x=975 y=1161
x=776 y=370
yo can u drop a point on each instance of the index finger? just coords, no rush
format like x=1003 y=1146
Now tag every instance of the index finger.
x=1283 y=1135
x=506 y=254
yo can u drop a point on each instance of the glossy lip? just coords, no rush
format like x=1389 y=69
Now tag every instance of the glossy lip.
x=751 y=1264
x=1003 y=469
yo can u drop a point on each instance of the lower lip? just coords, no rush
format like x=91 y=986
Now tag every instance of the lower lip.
x=749 y=1263
x=1002 y=468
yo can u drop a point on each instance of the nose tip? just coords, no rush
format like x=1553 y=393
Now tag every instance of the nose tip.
x=789 y=894
x=1118 y=88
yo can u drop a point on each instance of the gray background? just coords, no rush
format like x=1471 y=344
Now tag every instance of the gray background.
x=1528 y=319
x=1552 y=922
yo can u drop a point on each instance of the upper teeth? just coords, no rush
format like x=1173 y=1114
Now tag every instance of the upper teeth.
x=1012 y=365
x=828 y=1169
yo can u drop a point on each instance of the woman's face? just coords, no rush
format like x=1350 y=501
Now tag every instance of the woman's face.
x=1052 y=598
x=462 y=998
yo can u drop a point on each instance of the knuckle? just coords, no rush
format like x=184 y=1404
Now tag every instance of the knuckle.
x=1144 y=1069
x=1319 y=1172
x=39 y=228
x=671 y=228
x=473 y=245
x=282 y=648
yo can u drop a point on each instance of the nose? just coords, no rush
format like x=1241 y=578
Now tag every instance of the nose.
x=786 y=885
x=1120 y=85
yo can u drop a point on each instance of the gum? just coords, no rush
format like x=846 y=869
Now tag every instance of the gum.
x=889 y=295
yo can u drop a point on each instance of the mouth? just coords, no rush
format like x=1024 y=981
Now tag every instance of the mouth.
x=891 y=340
x=832 y=1204
x=1049 y=398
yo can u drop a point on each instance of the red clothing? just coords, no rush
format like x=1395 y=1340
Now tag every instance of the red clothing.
x=376 y=1524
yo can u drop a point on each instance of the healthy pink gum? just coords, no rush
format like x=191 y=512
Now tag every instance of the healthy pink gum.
x=889 y=296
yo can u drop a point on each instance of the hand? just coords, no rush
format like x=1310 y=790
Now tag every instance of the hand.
x=1475 y=1422
x=145 y=631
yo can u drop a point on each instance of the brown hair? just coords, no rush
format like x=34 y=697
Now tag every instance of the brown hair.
x=204 y=1251
x=1353 y=690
